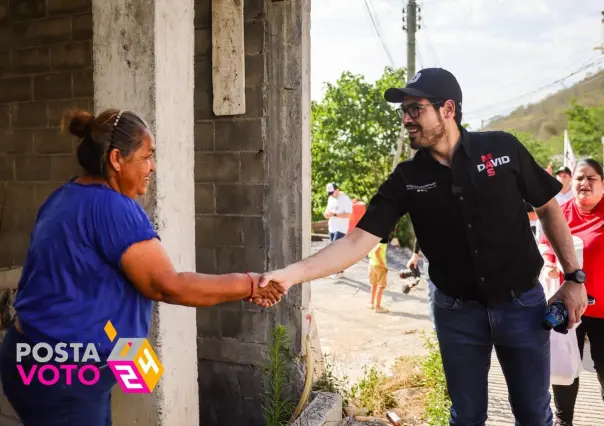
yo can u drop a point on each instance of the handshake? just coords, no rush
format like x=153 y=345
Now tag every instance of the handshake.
x=268 y=288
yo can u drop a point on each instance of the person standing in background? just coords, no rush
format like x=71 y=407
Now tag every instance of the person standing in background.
x=565 y=177
x=585 y=217
x=412 y=263
x=338 y=214
x=378 y=276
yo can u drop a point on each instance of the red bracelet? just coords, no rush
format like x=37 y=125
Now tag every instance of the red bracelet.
x=251 y=285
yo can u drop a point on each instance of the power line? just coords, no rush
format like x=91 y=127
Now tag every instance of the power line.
x=376 y=28
x=532 y=92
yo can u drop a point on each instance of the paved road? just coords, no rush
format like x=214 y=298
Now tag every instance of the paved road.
x=355 y=336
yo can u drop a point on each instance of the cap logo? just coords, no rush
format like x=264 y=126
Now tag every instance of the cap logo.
x=415 y=78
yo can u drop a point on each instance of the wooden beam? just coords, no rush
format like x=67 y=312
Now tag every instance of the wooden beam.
x=228 y=57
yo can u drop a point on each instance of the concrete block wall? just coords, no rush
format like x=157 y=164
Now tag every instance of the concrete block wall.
x=249 y=205
x=45 y=69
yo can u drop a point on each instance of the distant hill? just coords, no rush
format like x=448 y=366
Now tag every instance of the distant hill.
x=546 y=119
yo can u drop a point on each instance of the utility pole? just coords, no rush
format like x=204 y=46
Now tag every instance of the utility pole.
x=601 y=47
x=410 y=20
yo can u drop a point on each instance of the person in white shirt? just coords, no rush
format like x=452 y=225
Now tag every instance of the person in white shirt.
x=338 y=213
x=564 y=176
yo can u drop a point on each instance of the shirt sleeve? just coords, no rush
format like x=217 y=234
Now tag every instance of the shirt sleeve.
x=348 y=206
x=536 y=184
x=386 y=207
x=121 y=222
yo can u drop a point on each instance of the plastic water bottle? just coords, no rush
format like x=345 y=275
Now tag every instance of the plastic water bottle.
x=556 y=318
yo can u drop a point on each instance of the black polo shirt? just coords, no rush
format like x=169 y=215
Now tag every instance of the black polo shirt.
x=470 y=219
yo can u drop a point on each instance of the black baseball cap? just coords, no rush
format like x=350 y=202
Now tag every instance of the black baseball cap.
x=563 y=170
x=436 y=84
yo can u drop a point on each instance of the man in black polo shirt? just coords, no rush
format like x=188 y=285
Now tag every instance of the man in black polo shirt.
x=466 y=194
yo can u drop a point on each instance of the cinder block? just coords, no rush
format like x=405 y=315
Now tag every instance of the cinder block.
x=52 y=141
x=253 y=9
x=64 y=167
x=20 y=195
x=204 y=136
x=203 y=76
x=33 y=168
x=68 y=7
x=252 y=167
x=245 y=326
x=81 y=27
x=30 y=9
x=208 y=322
x=324 y=409
x=7 y=167
x=28 y=115
x=15 y=89
x=52 y=86
x=203 y=42
x=229 y=350
x=42 y=32
x=4 y=116
x=255 y=70
x=31 y=60
x=239 y=135
x=205 y=258
x=71 y=56
x=254 y=36
x=239 y=199
x=202 y=105
x=217 y=167
x=254 y=102
x=203 y=15
x=205 y=201
x=216 y=231
x=83 y=84
x=253 y=232
x=238 y=259
x=56 y=109
x=16 y=142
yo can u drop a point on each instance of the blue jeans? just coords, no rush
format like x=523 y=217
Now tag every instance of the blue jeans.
x=431 y=289
x=334 y=236
x=56 y=405
x=467 y=332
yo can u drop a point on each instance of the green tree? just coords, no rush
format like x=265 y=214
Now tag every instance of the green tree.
x=354 y=134
x=585 y=130
x=542 y=152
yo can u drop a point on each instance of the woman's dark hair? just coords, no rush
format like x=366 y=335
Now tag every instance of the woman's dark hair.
x=591 y=163
x=112 y=129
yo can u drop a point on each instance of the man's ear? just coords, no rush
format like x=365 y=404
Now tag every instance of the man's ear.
x=449 y=109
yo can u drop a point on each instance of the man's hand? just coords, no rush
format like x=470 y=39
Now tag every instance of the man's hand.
x=412 y=264
x=328 y=215
x=279 y=278
x=266 y=296
x=574 y=297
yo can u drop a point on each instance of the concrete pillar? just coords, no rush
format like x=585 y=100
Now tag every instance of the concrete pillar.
x=143 y=61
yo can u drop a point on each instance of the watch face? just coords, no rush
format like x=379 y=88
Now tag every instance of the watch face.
x=580 y=276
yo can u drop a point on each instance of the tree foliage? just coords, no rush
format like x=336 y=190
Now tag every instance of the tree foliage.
x=542 y=152
x=585 y=130
x=354 y=134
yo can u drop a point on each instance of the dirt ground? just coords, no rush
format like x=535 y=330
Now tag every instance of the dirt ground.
x=352 y=335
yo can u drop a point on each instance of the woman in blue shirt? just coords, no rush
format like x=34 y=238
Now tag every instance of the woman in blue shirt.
x=95 y=257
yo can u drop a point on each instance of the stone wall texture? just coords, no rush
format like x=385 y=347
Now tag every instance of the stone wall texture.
x=45 y=69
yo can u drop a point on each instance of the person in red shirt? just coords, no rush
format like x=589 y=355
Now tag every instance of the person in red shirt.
x=585 y=216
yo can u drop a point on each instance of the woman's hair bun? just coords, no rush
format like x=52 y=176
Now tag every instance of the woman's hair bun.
x=77 y=122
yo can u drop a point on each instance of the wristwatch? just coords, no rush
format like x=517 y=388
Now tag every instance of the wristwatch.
x=577 y=276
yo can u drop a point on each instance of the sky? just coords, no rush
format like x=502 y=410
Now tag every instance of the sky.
x=503 y=52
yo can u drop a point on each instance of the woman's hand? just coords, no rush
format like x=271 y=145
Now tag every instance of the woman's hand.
x=265 y=296
x=552 y=270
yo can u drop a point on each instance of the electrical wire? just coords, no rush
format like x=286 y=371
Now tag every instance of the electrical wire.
x=585 y=67
x=376 y=28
